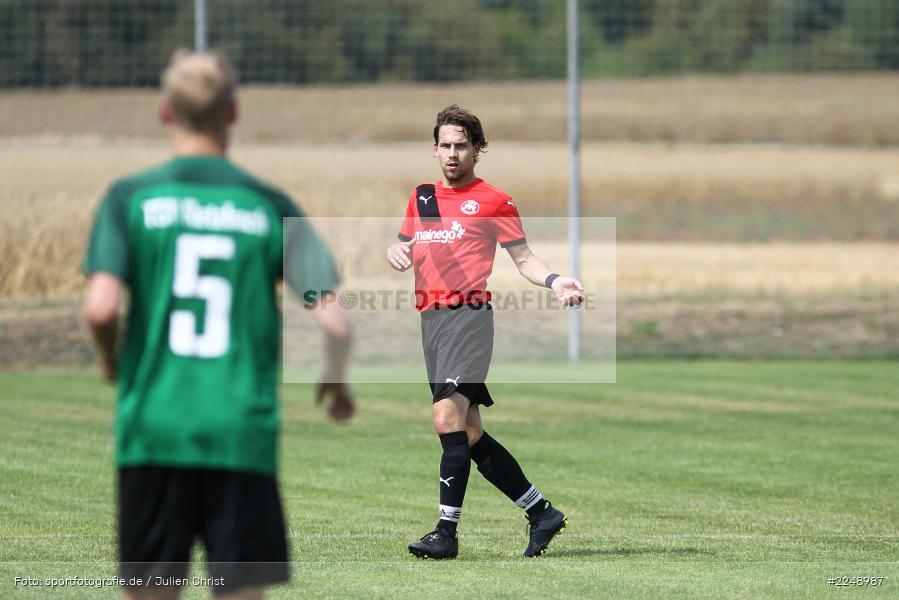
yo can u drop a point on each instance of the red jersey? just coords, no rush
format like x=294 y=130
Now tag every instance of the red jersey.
x=456 y=231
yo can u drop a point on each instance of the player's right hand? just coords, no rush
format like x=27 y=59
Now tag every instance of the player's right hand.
x=109 y=368
x=569 y=291
x=399 y=255
x=342 y=405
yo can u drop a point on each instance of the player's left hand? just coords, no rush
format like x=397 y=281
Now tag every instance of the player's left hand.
x=341 y=406
x=568 y=290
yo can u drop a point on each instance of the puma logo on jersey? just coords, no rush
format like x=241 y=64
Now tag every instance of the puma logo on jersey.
x=425 y=200
x=453 y=381
x=446 y=481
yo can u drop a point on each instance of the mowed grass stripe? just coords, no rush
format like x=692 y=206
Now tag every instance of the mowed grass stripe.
x=738 y=479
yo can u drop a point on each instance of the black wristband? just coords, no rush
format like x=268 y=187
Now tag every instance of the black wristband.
x=549 y=279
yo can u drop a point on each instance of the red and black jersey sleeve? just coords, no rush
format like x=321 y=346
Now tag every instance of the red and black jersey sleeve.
x=407 y=229
x=506 y=224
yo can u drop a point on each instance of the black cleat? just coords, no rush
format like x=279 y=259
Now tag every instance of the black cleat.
x=437 y=545
x=542 y=530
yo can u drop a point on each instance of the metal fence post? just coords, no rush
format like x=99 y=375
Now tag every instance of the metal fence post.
x=200 y=31
x=574 y=179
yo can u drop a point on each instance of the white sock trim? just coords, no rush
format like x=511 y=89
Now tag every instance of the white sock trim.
x=450 y=513
x=529 y=498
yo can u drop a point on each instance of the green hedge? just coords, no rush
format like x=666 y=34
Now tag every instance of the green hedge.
x=111 y=43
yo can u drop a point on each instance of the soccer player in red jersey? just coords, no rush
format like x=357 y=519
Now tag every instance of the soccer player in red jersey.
x=449 y=235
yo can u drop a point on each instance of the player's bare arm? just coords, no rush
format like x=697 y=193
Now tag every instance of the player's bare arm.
x=568 y=290
x=102 y=302
x=399 y=254
x=337 y=328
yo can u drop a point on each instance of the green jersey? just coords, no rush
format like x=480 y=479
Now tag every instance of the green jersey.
x=200 y=244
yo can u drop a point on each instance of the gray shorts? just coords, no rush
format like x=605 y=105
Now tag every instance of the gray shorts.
x=458 y=346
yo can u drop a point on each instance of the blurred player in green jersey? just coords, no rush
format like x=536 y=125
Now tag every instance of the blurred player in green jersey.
x=201 y=246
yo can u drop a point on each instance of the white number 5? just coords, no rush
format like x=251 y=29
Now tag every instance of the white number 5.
x=216 y=291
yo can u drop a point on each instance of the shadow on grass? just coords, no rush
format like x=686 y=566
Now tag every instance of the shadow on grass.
x=628 y=552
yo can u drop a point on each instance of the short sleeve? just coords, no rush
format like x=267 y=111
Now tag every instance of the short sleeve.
x=108 y=250
x=408 y=227
x=308 y=267
x=506 y=224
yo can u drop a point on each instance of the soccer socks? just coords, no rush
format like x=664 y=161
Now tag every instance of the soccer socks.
x=455 y=466
x=502 y=470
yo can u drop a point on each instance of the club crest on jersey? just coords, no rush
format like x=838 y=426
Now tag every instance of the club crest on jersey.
x=470 y=207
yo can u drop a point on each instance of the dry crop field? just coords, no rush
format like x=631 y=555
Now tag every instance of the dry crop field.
x=792 y=109
x=758 y=209
x=692 y=195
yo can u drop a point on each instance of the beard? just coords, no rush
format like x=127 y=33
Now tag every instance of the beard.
x=455 y=175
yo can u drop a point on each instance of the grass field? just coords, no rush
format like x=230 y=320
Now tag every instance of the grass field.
x=688 y=479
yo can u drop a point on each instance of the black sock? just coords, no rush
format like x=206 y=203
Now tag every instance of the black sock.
x=502 y=470
x=455 y=465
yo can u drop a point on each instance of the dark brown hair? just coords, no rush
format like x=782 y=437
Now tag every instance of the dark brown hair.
x=470 y=124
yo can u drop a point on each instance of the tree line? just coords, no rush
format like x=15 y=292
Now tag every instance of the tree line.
x=111 y=43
